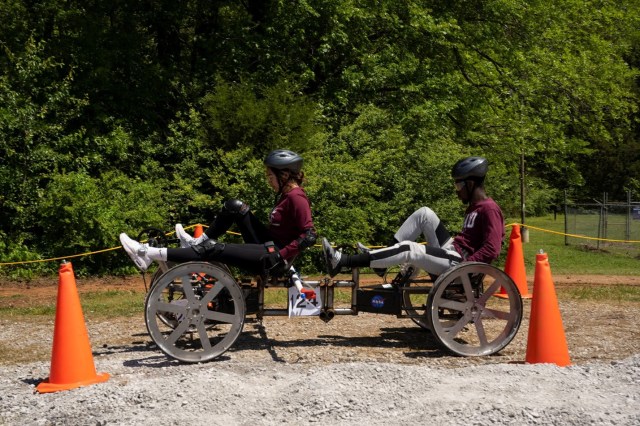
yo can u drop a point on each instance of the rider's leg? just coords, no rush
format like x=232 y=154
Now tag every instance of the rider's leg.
x=434 y=260
x=252 y=230
x=235 y=211
x=424 y=221
x=246 y=256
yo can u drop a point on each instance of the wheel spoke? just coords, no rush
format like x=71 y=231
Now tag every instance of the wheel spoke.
x=493 y=288
x=459 y=325
x=494 y=313
x=212 y=293
x=178 y=331
x=453 y=305
x=204 y=337
x=482 y=335
x=170 y=307
x=466 y=284
x=220 y=317
x=188 y=288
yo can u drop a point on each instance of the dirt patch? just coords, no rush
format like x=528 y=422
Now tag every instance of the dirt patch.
x=603 y=330
x=596 y=280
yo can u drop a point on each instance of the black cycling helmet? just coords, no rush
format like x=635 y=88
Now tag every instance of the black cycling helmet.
x=470 y=168
x=283 y=159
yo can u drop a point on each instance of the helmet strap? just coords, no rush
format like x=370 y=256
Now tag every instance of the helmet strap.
x=469 y=191
x=477 y=186
x=284 y=176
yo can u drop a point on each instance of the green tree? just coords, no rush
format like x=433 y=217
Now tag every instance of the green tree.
x=80 y=214
x=36 y=137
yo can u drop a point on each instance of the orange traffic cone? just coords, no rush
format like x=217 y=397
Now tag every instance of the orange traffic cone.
x=71 y=358
x=514 y=266
x=546 y=342
x=197 y=231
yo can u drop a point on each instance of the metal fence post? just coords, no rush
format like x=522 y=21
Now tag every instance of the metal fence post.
x=566 y=215
x=600 y=223
x=628 y=230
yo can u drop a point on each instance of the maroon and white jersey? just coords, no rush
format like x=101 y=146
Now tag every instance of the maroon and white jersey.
x=289 y=221
x=482 y=232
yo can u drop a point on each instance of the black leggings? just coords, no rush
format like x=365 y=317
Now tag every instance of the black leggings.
x=248 y=257
x=251 y=229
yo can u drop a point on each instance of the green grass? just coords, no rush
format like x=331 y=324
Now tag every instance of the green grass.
x=98 y=304
x=113 y=303
x=581 y=256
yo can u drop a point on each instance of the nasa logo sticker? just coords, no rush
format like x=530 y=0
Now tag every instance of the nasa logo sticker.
x=377 y=301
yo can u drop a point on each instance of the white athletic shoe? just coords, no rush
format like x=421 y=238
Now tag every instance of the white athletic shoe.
x=136 y=251
x=331 y=257
x=186 y=240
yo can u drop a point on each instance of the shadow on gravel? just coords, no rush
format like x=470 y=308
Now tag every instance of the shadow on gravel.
x=156 y=359
x=417 y=342
x=119 y=349
x=162 y=361
x=31 y=381
x=413 y=342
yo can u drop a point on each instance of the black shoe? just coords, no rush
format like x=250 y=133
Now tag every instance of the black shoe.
x=331 y=257
x=381 y=272
x=404 y=276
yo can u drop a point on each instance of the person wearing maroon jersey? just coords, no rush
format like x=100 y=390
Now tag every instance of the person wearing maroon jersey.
x=480 y=239
x=271 y=247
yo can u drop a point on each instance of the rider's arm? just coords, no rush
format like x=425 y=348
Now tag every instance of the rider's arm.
x=300 y=214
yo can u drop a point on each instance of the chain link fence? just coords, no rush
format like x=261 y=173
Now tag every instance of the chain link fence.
x=606 y=224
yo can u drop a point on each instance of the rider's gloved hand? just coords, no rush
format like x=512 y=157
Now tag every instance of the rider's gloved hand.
x=272 y=261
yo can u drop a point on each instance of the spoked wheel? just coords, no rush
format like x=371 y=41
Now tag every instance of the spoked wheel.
x=166 y=317
x=415 y=302
x=465 y=316
x=195 y=311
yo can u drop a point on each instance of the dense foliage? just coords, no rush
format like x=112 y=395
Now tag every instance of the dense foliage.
x=116 y=116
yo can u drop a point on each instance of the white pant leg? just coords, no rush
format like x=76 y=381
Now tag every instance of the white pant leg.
x=414 y=254
x=423 y=221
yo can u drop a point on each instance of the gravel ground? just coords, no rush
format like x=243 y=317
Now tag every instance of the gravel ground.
x=371 y=368
x=368 y=368
x=145 y=389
